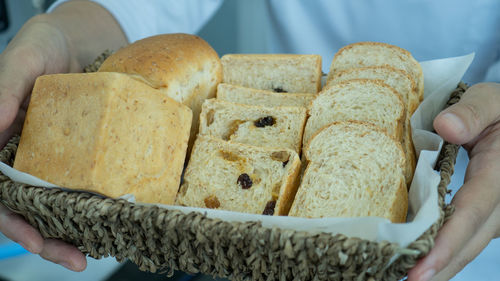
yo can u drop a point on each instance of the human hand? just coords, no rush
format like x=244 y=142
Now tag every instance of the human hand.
x=473 y=122
x=63 y=41
x=38 y=49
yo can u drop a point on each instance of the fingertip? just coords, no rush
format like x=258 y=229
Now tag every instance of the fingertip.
x=451 y=128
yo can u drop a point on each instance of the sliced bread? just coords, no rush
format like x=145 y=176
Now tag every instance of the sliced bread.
x=361 y=99
x=255 y=125
x=396 y=78
x=250 y=96
x=276 y=72
x=363 y=54
x=237 y=177
x=402 y=83
x=354 y=169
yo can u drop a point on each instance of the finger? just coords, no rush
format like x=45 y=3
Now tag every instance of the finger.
x=473 y=248
x=463 y=121
x=474 y=203
x=18 y=230
x=64 y=254
x=16 y=82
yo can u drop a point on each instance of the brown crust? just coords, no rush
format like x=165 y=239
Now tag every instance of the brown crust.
x=162 y=58
x=368 y=124
x=418 y=69
x=255 y=57
x=288 y=188
x=400 y=121
x=413 y=100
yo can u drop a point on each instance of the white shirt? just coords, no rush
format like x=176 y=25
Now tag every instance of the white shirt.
x=429 y=29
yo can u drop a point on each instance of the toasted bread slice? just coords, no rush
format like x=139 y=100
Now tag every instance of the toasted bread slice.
x=363 y=54
x=250 y=96
x=354 y=169
x=238 y=177
x=363 y=100
x=255 y=125
x=276 y=72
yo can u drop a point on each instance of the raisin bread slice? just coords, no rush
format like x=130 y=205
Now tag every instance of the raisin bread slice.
x=363 y=54
x=250 y=96
x=354 y=169
x=403 y=84
x=255 y=125
x=360 y=99
x=290 y=73
x=238 y=177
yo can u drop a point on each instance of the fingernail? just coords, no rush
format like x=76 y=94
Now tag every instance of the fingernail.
x=426 y=276
x=457 y=123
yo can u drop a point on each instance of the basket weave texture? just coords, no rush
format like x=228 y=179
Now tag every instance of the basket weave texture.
x=160 y=240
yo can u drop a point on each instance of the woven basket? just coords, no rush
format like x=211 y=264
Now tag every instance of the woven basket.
x=160 y=240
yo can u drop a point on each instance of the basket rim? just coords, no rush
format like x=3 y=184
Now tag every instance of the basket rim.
x=13 y=193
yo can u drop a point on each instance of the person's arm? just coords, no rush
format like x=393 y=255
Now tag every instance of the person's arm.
x=474 y=122
x=66 y=40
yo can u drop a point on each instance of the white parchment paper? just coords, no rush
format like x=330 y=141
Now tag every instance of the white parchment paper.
x=441 y=77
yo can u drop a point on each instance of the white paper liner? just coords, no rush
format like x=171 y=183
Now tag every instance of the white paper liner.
x=441 y=78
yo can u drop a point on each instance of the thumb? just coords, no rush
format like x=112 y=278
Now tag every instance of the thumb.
x=16 y=82
x=465 y=120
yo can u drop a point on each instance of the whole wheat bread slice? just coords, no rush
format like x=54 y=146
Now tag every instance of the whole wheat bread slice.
x=361 y=99
x=402 y=83
x=354 y=169
x=250 y=96
x=276 y=72
x=238 y=177
x=255 y=125
x=363 y=54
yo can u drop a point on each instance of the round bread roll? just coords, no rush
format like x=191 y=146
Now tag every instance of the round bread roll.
x=183 y=66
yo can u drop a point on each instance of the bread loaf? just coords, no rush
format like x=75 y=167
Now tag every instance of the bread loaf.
x=237 y=177
x=363 y=100
x=354 y=169
x=182 y=66
x=255 y=125
x=105 y=133
x=363 y=54
x=403 y=84
x=276 y=72
x=250 y=96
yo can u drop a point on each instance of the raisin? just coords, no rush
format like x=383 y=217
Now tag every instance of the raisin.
x=245 y=181
x=264 y=121
x=279 y=90
x=212 y=202
x=269 y=209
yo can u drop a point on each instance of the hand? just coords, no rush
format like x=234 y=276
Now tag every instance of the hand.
x=37 y=49
x=474 y=122
x=72 y=36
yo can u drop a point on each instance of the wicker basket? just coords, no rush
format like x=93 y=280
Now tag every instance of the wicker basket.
x=160 y=240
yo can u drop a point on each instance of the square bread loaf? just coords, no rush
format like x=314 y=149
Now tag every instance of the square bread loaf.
x=255 y=125
x=289 y=73
x=354 y=169
x=250 y=96
x=237 y=177
x=106 y=133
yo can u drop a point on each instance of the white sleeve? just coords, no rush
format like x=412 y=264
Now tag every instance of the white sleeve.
x=140 y=19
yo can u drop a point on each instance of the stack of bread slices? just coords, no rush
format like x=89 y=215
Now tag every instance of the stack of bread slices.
x=357 y=141
x=353 y=135
x=246 y=155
